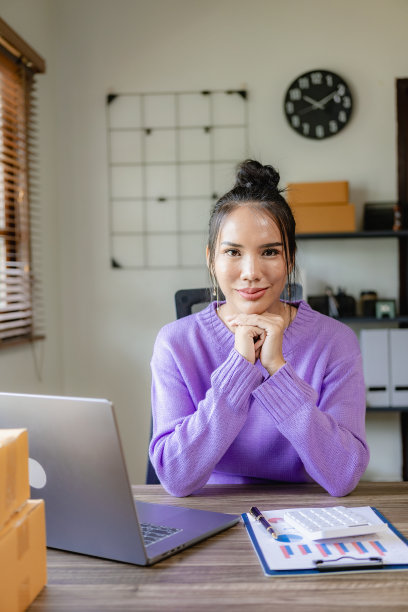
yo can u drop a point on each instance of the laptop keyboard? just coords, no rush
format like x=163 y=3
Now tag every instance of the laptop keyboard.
x=155 y=533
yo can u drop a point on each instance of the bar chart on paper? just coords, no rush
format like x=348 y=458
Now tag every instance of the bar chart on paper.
x=371 y=547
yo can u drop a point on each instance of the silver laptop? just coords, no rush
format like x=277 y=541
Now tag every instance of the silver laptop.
x=77 y=466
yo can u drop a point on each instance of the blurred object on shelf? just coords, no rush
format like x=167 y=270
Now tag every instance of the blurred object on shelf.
x=367 y=303
x=385 y=309
x=339 y=305
x=346 y=304
x=382 y=216
x=397 y=218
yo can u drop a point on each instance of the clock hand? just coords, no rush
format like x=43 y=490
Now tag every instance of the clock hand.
x=307 y=110
x=315 y=103
x=329 y=97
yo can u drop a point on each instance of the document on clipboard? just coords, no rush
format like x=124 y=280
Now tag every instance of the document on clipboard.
x=282 y=551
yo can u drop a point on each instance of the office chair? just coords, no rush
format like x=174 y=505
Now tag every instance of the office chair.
x=185 y=300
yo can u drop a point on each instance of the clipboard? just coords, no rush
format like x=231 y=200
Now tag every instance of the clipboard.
x=292 y=555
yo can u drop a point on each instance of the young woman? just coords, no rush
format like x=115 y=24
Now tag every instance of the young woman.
x=256 y=389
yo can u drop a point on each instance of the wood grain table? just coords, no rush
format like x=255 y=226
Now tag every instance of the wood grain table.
x=223 y=572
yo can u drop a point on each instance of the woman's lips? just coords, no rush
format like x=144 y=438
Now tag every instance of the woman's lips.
x=252 y=294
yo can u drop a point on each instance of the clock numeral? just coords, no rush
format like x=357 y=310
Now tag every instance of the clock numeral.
x=316 y=78
x=306 y=128
x=329 y=80
x=341 y=90
x=342 y=116
x=295 y=119
x=337 y=99
x=290 y=107
x=333 y=126
x=304 y=83
x=295 y=94
x=346 y=102
x=319 y=131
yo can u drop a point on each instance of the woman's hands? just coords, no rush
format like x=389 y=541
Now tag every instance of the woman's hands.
x=259 y=336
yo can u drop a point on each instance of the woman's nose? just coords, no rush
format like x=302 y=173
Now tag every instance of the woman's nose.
x=250 y=269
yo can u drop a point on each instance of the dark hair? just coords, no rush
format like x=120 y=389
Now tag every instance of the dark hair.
x=257 y=185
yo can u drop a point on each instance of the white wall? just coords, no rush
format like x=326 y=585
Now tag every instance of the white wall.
x=110 y=317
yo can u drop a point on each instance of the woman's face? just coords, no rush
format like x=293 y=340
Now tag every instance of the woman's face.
x=249 y=262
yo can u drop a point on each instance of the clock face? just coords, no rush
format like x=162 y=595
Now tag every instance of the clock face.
x=318 y=104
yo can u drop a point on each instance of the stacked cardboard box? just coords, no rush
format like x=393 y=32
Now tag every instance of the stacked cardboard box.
x=321 y=207
x=23 y=569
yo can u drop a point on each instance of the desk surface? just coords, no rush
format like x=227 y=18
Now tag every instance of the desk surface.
x=223 y=572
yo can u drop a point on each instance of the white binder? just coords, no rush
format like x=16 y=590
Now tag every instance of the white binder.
x=376 y=364
x=399 y=367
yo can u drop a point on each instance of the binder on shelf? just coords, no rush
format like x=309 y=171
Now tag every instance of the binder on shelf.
x=398 y=342
x=376 y=365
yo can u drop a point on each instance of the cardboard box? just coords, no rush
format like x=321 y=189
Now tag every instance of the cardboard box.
x=330 y=192
x=23 y=557
x=14 y=482
x=330 y=218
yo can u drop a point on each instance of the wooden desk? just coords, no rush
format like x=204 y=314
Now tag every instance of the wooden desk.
x=223 y=573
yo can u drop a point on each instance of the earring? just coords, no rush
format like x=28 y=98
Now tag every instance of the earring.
x=215 y=289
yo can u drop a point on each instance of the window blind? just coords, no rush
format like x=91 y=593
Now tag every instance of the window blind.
x=21 y=312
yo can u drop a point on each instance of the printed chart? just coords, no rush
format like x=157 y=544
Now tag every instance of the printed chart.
x=291 y=551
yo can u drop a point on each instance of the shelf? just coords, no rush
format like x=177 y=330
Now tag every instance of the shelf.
x=362 y=234
x=401 y=319
x=387 y=409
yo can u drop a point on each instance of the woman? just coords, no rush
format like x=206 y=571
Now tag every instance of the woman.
x=256 y=389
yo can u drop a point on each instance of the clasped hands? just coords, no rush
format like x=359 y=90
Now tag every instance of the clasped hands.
x=259 y=337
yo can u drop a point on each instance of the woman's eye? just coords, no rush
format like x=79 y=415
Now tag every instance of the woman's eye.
x=232 y=252
x=270 y=252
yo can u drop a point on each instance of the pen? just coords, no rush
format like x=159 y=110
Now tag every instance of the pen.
x=261 y=519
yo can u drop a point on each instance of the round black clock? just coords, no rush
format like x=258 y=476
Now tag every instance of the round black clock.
x=318 y=104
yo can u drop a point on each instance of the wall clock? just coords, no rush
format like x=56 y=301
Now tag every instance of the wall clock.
x=318 y=104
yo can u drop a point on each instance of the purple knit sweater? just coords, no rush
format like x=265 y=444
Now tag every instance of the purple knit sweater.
x=219 y=419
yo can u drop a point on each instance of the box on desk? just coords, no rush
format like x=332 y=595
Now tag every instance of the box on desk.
x=324 y=218
x=323 y=193
x=14 y=482
x=23 y=569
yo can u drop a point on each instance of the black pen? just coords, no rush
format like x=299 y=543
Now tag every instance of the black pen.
x=258 y=516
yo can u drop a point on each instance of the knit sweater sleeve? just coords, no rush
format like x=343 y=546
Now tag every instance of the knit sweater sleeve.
x=189 y=436
x=326 y=428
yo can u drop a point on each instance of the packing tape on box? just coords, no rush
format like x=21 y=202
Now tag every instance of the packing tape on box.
x=11 y=462
x=23 y=539
x=24 y=590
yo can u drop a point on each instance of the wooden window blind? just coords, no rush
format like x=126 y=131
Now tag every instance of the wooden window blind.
x=21 y=318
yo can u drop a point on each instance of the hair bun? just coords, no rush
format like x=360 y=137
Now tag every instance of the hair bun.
x=253 y=175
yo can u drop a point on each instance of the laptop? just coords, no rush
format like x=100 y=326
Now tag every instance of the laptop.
x=77 y=466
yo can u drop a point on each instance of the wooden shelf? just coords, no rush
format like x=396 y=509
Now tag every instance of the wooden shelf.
x=387 y=408
x=362 y=234
x=374 y=320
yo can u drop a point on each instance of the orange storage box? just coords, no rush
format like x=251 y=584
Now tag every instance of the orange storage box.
x=14 y=483
x=23 y=557
x=330 y=192
x=324 y=218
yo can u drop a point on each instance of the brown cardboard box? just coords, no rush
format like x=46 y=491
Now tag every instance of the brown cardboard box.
x=320 y=218
x=14 y=483
x=330 y=192
x=23 y=568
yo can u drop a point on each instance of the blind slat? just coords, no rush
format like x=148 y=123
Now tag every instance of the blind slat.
x=19 y=298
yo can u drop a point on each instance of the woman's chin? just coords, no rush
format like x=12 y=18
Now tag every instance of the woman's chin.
x=253 y=308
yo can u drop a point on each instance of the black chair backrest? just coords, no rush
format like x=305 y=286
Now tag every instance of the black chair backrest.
x=185 y=300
